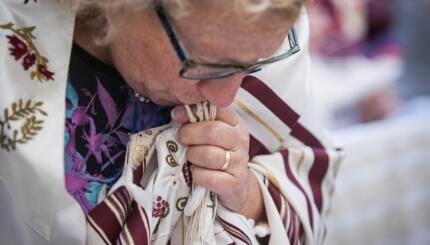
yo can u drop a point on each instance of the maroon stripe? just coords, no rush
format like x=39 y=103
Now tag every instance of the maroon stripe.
x=137 y=174
x=291 y=228
x=295 y=238
x=276 y=196
x=297 y=184
x=270 y=99
x=137 y=227
x=106 y=220
x=301 y=232
x=302 y=134
x=101 y=236
x=321 y=161
x=256 y=148
x=119 y=207
x=295 y=228
x=123 y=196
x=228 y=227
x=317 y=174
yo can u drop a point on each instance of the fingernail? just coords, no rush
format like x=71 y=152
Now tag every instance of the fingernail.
x=179 y=114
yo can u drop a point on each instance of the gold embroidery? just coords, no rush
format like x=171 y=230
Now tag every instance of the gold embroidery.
x=172 y=147
x=181 y=203
x=29 y=128
x=141 y=152
x=266 y=172
x=22 y=46
x=300 y=162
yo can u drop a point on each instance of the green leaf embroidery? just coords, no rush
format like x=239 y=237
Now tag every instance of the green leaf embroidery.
x=20 y=111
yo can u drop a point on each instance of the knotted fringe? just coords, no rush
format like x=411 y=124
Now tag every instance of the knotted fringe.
x=202 y=218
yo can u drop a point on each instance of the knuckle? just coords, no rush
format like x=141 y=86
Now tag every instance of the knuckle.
x=243 y=158
x=212 y=132
x=190 y=154
x=209 y=156
x=244 y=137
x=182 y=135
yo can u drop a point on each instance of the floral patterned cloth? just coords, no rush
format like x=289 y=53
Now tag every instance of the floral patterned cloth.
x=98 y=124
x=153 y=201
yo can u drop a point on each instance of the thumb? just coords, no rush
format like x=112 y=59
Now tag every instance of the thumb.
x=179 y=114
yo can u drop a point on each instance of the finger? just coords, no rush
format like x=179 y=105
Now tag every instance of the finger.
x=227 y=115
x=210 y=133
x=213 y=157
x=231 y=190
x=179 y=114
x=217 y=181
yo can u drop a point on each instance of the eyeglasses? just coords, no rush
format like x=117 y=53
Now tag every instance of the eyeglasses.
x=193 y=70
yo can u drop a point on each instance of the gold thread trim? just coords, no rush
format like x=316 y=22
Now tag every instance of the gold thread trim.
x=252 y=114
x=300 y=162
x=266 y=172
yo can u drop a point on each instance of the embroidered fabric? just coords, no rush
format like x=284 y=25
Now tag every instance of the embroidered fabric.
x=157 y=178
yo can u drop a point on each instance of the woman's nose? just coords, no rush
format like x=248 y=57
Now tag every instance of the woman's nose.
x=221 y=92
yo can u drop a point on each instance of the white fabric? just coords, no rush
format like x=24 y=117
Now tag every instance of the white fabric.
x=34 y=173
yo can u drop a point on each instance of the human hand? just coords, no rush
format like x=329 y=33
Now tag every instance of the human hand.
x=208 y=142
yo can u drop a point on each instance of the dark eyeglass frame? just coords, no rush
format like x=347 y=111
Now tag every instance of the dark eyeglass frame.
x=231 y=69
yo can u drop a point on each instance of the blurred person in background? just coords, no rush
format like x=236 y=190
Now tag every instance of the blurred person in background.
x=348 y=28
x=354 y=51
x=412 y=90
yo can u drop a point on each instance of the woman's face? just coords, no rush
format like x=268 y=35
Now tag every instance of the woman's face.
x=212 y=32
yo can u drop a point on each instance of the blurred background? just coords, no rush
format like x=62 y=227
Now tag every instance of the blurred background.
x=371 y=72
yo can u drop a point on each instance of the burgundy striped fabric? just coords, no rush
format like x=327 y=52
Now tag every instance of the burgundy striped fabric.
x=293 y=179
x=270 y=99
x=120 y=220
x=256 y=148
x=290 y=218
x=321 y=161
x=234 y=231
x=288 y=214
x=287 y=115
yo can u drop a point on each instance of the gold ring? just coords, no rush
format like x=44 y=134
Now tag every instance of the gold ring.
x=227 y=161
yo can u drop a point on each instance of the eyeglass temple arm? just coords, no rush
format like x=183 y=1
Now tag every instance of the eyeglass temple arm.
x=169 y=31
x=292 y=34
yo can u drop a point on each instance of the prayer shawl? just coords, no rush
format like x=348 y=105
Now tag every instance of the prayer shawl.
x=153 y=200
x=294 y=161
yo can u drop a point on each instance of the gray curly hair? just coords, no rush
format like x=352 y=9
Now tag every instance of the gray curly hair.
x=95 y=13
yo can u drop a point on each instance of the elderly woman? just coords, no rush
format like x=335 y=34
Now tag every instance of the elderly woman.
x=79 y=77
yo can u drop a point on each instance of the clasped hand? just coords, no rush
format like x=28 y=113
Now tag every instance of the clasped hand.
x=208 y=142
